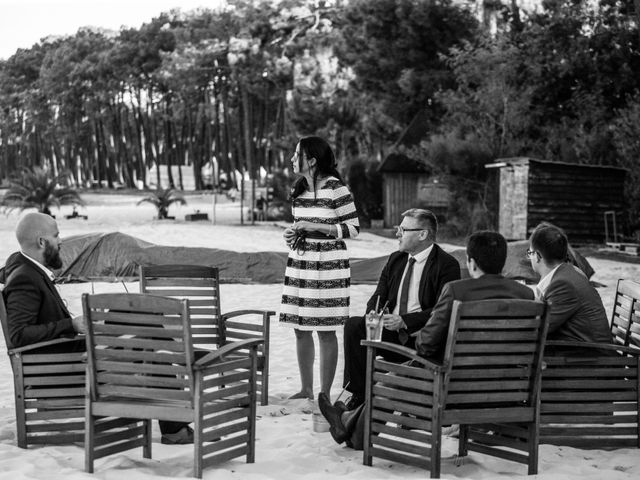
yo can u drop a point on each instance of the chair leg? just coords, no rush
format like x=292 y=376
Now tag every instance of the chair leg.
x=463 y=438
x=21 y=417
x=21 y=421
x=533 y=440
x=264 y=390
x=436 y=450
x=89 y=439
x=146 y=449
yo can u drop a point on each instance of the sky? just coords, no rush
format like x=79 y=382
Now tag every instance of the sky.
x=24 y=22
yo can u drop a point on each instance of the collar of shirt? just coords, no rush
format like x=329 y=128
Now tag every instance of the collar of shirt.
x=544 y=282
x=423 y=255
x=46 y=271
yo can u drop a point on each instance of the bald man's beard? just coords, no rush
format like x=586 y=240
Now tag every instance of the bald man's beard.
x=52 y=257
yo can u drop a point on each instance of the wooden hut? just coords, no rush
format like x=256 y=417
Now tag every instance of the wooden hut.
x=571 y=196
x=408 y=182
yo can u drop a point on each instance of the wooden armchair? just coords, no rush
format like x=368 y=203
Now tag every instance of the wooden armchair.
x=590 y=399
x=488 y=383
x=141 y=363
x=48 y=388
x=210 y=328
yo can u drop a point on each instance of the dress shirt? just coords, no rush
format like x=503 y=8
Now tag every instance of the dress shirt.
x=544 y=282
x=413 y=302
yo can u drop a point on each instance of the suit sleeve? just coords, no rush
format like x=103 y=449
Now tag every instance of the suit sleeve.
x=562 y=303
x=450 y=272
x=382 y=290
x=23 y=300
x=431 y=337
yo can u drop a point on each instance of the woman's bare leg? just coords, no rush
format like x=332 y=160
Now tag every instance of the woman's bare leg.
x=328 y=360
x=306 y=355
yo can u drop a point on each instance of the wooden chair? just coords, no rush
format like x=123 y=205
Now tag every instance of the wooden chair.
x=49 y=390
x=141 y=364
x=488 y=383
x=209 y=327
x=590 y=399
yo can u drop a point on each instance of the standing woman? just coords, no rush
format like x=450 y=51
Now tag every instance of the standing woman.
x=315 y=296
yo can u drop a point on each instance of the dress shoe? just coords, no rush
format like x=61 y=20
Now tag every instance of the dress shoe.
x=183 y=436
x=340 y=405
x=333 y=416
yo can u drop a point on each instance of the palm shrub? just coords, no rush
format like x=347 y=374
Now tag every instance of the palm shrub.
x=162 y=199
x=37 y=188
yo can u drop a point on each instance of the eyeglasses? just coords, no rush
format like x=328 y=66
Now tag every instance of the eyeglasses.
x=400 y=229
x=531 y=253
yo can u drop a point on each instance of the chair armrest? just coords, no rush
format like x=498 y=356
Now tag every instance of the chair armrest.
x=35 y=346
x=237 y=313
x=601 y=346
x=227 y=349
x=405 y=351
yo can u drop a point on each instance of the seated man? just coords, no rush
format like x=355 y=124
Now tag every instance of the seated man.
x=575 y=309
x=409 y=285
x=35 y=310
x=486 y=256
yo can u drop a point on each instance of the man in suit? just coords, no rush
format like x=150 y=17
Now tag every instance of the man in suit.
x=35 y=310
x=575 y=309
x=409 y=285
x=486 y=256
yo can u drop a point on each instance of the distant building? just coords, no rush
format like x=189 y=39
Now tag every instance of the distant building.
x=408 y=182
x=572 y=196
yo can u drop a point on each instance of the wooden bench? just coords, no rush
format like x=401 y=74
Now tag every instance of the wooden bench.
x=488 y=383
x=211 y=328
x=590 y=399
x=142 y=365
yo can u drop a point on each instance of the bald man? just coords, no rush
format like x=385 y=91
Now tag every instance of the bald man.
x=35 y=310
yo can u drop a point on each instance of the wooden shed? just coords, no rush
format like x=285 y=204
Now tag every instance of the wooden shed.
x=571 y=196
x=408 y=182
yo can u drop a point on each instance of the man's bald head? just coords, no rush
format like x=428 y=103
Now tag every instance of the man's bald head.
x=38 y=237
x=34 y=226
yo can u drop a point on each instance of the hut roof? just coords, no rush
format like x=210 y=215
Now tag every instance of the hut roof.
x=400 y=163
x=504 y=162
x=411 y=136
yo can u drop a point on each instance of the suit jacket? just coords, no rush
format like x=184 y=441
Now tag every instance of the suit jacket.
x=432 y=338
x=35 y=310
x=575 y=309
x=439 y=269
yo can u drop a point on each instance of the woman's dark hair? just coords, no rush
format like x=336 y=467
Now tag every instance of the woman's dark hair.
x=315 y=147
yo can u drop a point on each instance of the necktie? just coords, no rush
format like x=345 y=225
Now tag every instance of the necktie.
x=404 y=293
x=403 y=336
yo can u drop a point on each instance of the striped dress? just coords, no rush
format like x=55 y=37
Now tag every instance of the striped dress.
x=316 y=284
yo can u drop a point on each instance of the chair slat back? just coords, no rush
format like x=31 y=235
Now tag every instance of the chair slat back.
x=494 y=353
x=625 y=319
x=138 y=346
x=201 y=286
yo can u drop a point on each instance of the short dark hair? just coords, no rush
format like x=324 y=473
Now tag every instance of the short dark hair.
x=426 y=218
x=489 y=250
x=550 y=242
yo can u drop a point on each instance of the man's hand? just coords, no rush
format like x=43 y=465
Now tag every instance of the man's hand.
x=78 y=324
x=393 y=322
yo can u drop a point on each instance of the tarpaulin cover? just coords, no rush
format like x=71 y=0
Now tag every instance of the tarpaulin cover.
x=110 y=256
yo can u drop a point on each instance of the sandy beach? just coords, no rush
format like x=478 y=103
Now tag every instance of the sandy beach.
x=286 y=446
